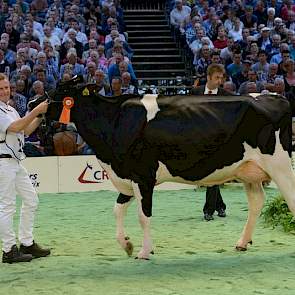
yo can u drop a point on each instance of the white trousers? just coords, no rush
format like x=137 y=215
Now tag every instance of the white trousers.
x=14 y=179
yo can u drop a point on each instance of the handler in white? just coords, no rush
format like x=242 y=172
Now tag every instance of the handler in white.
x=15 y=179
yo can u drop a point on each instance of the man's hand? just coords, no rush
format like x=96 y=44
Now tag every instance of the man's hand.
x=42 y=107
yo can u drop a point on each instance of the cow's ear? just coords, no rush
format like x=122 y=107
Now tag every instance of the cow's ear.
x=129 y=126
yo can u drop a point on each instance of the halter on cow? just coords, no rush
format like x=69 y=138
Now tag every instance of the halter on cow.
x=142 y=142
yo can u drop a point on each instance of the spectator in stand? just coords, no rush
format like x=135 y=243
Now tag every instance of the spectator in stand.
x=76 y=69
x=274 y=47
x=236 y=66
x=221 y=41
x=127 y=87
x=115 y=70
x=53 y=39
x=260 y=12
x=230 y=87
x=16 y=66
x=202 y=64
x=271 y=13
x=286 y=8
x=48 y=81
x=252 y=77
x=253 y=54
x=264 y=40
x=101 y=83
x=291 y=20
x=14 y=35
x=227 y=53
x=127 y=49
x=262 y=66
x=272 y=75
x=285 y=57
x=116 y=86
x=179 y=14
x=279 y=86
x=38 y=90
x=289 y=77
x=249 y=19
x=244 y=42
x=89 y=76
x=117 y=48
x=242 y=76
x=77 y=45
x=236 y=32
x=17 y=100
x=277 y=58
x=113 y=35
x=9 y=55
x=92 y=46
x=80 y=36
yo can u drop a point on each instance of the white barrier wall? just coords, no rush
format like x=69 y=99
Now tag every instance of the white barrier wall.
x=74 y=174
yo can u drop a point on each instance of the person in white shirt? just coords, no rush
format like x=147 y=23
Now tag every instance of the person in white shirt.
x=14 y=179
x=179 y=14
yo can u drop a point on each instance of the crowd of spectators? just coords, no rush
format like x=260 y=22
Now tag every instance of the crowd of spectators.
x=44 y=42
x=254 y=39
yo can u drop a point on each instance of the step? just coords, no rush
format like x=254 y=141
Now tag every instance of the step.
x=147 y=27
x=159 y=33
x=149 y=39
x=136 y=12
x=145 y=22
x=158 y=65
x=156 y=58
x=144 y=17
x=155 y=51
x=142 y=45
x=159 y=73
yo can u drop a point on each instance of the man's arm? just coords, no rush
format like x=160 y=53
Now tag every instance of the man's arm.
x=23 y=123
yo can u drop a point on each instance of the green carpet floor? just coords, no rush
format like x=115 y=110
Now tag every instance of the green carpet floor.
x=191 y=256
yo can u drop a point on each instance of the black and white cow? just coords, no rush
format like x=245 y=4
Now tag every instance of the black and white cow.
x=142 y=142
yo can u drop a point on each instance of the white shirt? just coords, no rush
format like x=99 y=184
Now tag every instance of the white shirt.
x=13 y=142
x=214 y=91
x=177 y=17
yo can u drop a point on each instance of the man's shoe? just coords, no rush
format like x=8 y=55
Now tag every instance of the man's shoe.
x=35 y=250
x=221 y=213
x=208 y=217
x=14 y=255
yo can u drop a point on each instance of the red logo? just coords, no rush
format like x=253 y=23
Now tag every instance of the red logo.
x=98 y=175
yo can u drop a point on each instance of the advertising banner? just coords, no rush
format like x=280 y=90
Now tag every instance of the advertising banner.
x=43 y=172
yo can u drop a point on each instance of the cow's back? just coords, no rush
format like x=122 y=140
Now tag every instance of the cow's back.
x=193 y=136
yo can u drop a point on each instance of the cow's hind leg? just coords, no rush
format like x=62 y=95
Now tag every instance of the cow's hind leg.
x=255 y=195
x=120 y=210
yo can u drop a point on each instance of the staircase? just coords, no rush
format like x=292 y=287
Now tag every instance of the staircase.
x=156 y=56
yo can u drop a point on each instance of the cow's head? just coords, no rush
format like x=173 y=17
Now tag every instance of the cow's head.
x=61 y=100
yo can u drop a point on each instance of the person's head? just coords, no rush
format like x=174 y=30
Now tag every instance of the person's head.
x=25 y=71
x=200 y=33
x=99 y=76
x=279 y=85
x=265 y=32
x=93 y=55
x=221 y=32
x=8 y=26
x=254 y=47
x=20 y=85
x=3 y=44
x=247 y=65
x=114 y=34
x=245 y=33
x=271 y=13
x=236 y=23
x=92 y=44
x=276 y=40
x=229 y=86
x=41 y=57
x=178 y=4
x=237 y=57
x=205 y=51
x=123 y=67
x=215 y=57
x=41 y=75
x=289 y=65
x=74 y=24
x=5 y=36
x=4 y=88
x=278 y=22
x=285 y=55
x=66 y=77
x=47 y=30
x=116 y=85
x=126 y=79
x=273 y=69
x=72 y=34
x=251 y=87
x=100 y=50
x=38 y=87
x=72 y=57
x=248 y=10
x=215 y=75
x=262 y=56
x=252 y=76
x=91 y=67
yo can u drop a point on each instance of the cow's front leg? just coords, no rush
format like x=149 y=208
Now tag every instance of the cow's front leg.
x=255 y=196
x=143 y=194
x=120 y=211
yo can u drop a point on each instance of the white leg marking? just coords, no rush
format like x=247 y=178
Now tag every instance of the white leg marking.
x=255 y=195
x=150 y=103
x=120 y=211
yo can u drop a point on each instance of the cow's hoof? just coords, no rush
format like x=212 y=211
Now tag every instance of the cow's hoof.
x=241 y=248
x=152 y=252
x=142 y=258
x=129 y=248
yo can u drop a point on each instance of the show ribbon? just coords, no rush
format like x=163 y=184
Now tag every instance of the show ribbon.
x=65 y=116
